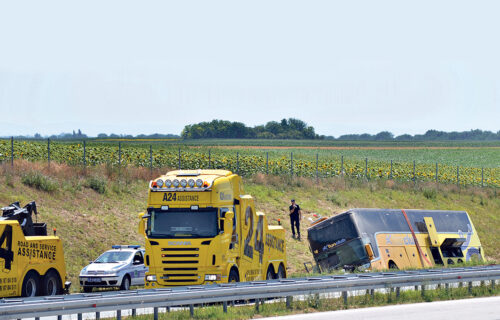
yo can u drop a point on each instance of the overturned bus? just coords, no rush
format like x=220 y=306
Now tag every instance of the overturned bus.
x=393 y=238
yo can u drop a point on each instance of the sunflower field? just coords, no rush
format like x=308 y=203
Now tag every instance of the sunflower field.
x=246 y=161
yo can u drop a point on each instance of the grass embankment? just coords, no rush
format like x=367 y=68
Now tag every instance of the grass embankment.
x=97 y=208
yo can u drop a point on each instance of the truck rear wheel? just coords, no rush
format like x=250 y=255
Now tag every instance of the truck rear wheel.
x=31 y=285
x=51 y=284
x=270 y=273
x=281 y=272
x=233 y=276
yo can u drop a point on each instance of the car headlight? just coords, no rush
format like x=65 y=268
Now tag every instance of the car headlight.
x=212 y=277
x=151 y=277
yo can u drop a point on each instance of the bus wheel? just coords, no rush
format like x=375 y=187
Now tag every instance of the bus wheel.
x=392 y=265
x=281 y=272
x=233 y=276
x=270 y=273
x=31 y=285
x=51 y=284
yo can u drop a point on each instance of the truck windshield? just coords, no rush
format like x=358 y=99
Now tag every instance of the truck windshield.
x=182 y=223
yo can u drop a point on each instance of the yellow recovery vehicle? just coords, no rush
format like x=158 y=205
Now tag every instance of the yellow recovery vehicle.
x=201 y=228
x=31 y=262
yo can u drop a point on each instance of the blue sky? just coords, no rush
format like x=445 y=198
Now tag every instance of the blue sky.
x=341 y=66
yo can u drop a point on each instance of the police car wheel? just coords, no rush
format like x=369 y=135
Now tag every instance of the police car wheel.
x=125 y=283
x=30 y=286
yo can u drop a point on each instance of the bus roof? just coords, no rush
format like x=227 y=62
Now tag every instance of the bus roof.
x=371 y=220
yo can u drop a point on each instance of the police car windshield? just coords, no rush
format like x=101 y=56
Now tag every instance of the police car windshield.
x=183 y=223
x=113 y=257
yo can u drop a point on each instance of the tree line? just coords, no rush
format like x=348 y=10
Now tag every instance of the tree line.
x=285 y=129
x=430 y=135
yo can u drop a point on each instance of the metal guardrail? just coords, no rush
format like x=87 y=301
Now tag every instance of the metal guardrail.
x=192 y=295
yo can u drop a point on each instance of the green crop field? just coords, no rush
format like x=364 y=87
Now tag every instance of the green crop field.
x=463 y=163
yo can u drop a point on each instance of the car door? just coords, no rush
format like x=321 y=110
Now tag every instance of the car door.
x=138 y=270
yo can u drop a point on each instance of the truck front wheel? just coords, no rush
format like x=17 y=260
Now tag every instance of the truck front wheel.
x=281 y=272
x=51 y=284
x=31 y=285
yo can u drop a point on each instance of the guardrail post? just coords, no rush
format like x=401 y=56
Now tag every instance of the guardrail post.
x=48 y=151
x=155 y=313
x=168 y=309
x=12 y=151
x=97 y=316
x=134 y=312
x=179 y=158
x=366 y=168
x=84 y=154
x=257 y=304
x=80 y=317
x=191 y=310
x=414 y=175
x=493 y=284
x=151 y=158
x=317 y=176
x=372 y=293
x=59 y=317
x=390 y=175
x=224 y=306
x=398 y=292
x=289 y=301
x=482 y=177
x=389 y=297
x=37 y=318
x=118 y=315
x=344 y=295
x=470 y=287
x=267 y=162
x=423 y=290
x=416 y=288
x=447 y=287
x=342 y=165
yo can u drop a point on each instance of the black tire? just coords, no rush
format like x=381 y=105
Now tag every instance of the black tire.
x=393 y=265
x=281 y=272
x=87 y=289
x=31 y=285
x=270 y=273
x=233 y=276
x=51 y=284
x=125 y=283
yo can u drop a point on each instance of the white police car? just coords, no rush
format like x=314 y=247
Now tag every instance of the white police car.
x=122 y=267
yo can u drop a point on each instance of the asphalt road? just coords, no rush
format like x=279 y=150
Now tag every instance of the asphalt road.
x=477 y=308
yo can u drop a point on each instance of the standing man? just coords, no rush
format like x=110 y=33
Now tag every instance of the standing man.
x=295 y=217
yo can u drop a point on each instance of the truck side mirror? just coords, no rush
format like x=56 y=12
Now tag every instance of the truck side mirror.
x=228 y=222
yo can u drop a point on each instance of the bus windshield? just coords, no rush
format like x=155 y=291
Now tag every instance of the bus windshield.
x=351 y=253
x=331 y=233
x=182 y=223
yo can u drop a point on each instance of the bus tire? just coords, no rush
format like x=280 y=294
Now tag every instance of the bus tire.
x=31 y=284
x=51 y=284
x=281 y=272
x=233 y=276
x=270 y=273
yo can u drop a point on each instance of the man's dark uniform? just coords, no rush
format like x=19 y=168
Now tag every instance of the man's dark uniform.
x=294 y=219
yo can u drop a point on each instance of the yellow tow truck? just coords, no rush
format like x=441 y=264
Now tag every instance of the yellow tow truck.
x=31 y=262
x=201 y=228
